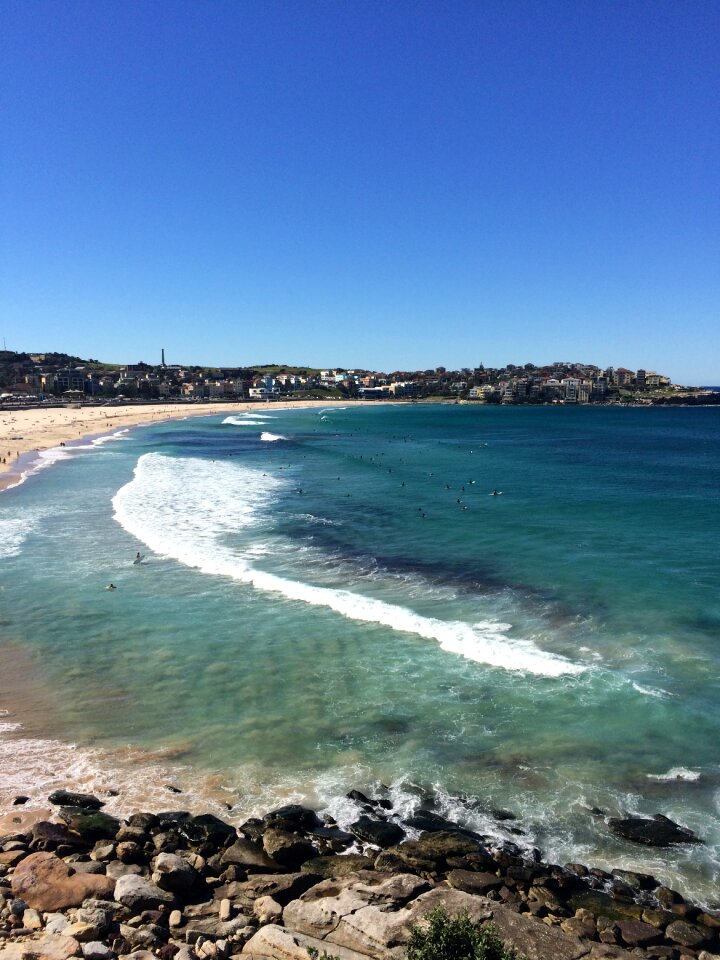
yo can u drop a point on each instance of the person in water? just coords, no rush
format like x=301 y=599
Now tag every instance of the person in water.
x=111 y=586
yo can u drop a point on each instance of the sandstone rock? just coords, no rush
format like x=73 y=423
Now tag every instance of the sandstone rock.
x=431 y=851
x=635 y=933
x=281 y=944
x=95 y=950
x=337 y=866
x=175 y=919
x=687 y=934
x=534 y=940
x=657 y=832
x=267 y=910
x=49 y=836
x=377 y=832
x=287 y=849
x=56 y=922
x=116 y=869
x=103 y=851
x=471 y=882
x=86 y=866
x=47 y=947
x=65 y=798
x=32 y=920
x=282 y=887
x=10 y=858
x=82 y=932
x=138 y=894
x=46 y=883
x=244 y=853
x=173 y=873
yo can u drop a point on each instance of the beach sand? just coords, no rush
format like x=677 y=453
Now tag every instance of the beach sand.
x=25 y=431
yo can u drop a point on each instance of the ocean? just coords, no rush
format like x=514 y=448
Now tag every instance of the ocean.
x=474 y=608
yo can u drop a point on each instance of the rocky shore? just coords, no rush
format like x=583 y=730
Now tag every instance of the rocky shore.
x=173 y=885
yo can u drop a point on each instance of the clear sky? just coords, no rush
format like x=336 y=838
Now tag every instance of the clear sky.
x=366 y=183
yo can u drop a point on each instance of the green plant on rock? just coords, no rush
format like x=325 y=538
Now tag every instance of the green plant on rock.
x=442 y=937
x=315 y=954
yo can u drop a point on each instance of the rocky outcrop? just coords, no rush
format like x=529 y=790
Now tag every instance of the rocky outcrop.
x=656 y=832
x=171 y=886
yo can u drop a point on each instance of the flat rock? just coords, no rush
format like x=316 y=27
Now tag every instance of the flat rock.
x=656 y=832
x=432 y=850
x=278 y=943
x=337 y=866
x=302 y=818
x=636 y=933
x=46 y=947
x=49 y=835
x=471 y=882
x=173 y=873
x=207 y=828
x=534 y=940
x=46 y=883
x=687 y=934
x=282 y=887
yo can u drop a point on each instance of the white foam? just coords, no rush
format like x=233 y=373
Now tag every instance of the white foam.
x=676 y=773
x=649 y=691
x=271 y=437
x=185 y=508
x=13 y=533
x=245 y=421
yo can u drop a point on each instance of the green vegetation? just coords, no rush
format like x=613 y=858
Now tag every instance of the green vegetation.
x=455 y=938
x=442 y=937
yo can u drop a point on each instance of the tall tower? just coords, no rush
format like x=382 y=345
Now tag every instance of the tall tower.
x=163 y=357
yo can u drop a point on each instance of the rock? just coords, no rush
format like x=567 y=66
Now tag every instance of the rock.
x=49 y=836
x=32 y=920
x=103 y=851
x=87 y=866
x=431 y=851
x=244 y=853
x=207 y=829
x=602 y=904
x=47 y=947
x=175 y=919
x=138 y=894
x=657 y=832
x=534 y=940
x=56 y=922
x=90 y=824
x=47 y=883
x=319 y=911
x=471 y=882
x=301 y=818
x=116 y=869
x=11 y=858
x=95 y=950
x=635 y=933
x=82 y=932
x=225 y=911
x=267 y=910
x=278 y=943
x=283 y=887
x=431 y=822
x=173 y=873
x=337 y=866
x=287 y=849
x=687 y=934
x=65 y=798
x=636 y=881
x=377 y=832
x=20 y=800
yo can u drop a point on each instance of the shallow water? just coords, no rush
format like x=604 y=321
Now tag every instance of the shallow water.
x=316 y=611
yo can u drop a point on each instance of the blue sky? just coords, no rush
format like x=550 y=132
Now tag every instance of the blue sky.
x=377 y=184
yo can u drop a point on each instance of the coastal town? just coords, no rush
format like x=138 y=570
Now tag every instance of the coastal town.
x=48 y=377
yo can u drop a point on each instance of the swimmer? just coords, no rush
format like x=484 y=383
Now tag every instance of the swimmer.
x=111 y=586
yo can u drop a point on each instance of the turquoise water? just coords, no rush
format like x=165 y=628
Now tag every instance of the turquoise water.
x=335 y=599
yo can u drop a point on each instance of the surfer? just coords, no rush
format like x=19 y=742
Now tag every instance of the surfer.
x=111 y=586
x=138 y=557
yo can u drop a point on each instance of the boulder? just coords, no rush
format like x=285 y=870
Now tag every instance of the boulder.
x=138 y=894
x=66 y=798
x=471 y=882
x=245 y=853
x=688 y=934
x=174 y=874
x=656 y=832
x=636 y=933
x=378 y=832
x=46 y=883
x=301 y=818
x=287 y=849
x=534 y=940
x=207 y=829
x=49 y=836
x=90 y=824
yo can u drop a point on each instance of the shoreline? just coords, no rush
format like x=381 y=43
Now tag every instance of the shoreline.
x=28 y=431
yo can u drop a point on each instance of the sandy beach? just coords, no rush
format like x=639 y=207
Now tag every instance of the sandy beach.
x=24 y=431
